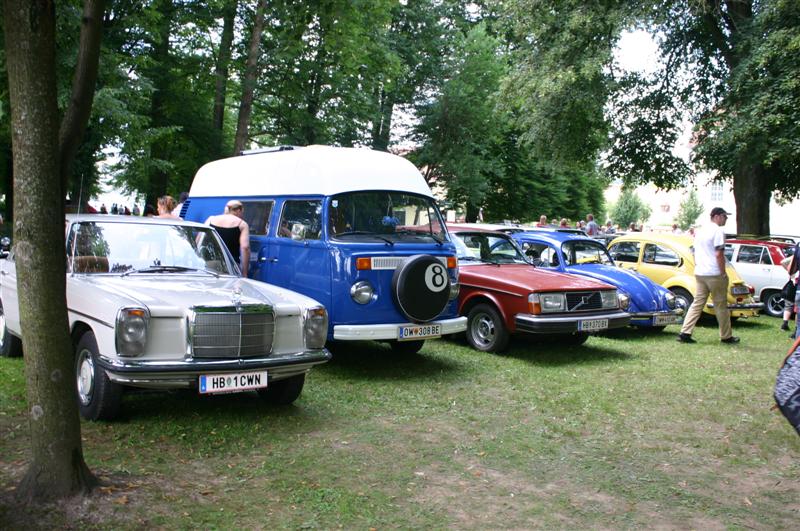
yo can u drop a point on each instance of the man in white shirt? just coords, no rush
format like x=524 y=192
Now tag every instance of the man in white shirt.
x=711 y=278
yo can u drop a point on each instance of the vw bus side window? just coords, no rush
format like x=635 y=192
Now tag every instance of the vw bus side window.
x=301 y=220
x=384 y=215
x=256 y=214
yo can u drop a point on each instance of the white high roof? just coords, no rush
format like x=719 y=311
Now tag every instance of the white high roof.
x=313 y=170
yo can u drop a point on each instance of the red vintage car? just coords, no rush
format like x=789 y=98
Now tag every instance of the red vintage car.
x=502 y=294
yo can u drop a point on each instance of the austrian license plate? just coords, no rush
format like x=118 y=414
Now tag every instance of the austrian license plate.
x=592 y=325
x=740 y=290
x=232 y=382
x=661 y=320
x=408 y=333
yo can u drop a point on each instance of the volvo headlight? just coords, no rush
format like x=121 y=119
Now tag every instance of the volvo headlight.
x=624 y=300
x=610 y=298
x=131 y=331
x=362 y=292
x=315 y=327
x=669 y=298
x=547 y=302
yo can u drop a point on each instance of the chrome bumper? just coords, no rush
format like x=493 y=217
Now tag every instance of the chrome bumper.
x=184 y=373
x=375 y=332
x=560 y=324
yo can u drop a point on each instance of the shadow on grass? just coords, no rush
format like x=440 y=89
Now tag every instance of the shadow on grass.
x=190 y=406
x=551 y=353
x=376 y=361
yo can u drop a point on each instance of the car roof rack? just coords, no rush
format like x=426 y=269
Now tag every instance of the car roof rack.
x=271 y=149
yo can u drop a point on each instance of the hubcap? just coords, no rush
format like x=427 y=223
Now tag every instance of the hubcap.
x=85 y=377
x=775 y=304
x=483 y=330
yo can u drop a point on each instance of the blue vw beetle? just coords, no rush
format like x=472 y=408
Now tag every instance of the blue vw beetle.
x=648 y=303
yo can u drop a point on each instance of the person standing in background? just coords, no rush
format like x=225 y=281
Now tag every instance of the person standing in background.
x=712 y=279
x=235 y=232
x=166 y=204
x=592 y=228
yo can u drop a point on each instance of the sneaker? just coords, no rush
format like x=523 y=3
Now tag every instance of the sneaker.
x=785 y=326
x=732 y=339
x=685 y=338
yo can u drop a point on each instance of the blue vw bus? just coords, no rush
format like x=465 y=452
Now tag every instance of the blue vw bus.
x=356 y=229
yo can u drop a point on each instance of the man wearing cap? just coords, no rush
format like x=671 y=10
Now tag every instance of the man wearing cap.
x=711 y=278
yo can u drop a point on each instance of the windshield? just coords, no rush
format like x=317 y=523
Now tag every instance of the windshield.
x=585 y=252
x=384 y=216
x=97 y=247
x=487 y=247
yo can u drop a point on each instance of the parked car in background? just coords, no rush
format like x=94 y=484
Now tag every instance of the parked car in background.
x=758 y=262
x=668 y=259
x=649 y=304
x=159 y=303
x=503 y=294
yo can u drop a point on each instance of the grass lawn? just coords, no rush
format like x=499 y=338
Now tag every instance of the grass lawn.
x=630 y=430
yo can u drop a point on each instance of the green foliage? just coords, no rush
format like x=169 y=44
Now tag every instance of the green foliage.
x=730 y=68
x=460 y=129
x=689 y=210
x=758 y=119
x=629 y=208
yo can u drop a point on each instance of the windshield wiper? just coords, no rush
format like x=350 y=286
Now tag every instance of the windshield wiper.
x=365 y=233
x=169 y=269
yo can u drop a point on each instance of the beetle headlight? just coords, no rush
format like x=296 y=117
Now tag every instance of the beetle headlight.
x=362 y=292
x=454 y=290
x=315 y=327
x=669 y=298
x=131 y=331
x=610 y=298
x=624 y=300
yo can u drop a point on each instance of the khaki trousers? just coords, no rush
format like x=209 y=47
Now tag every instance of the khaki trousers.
x=717 y=286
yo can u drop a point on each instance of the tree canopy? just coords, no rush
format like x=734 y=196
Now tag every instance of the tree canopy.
x=517 y=107
x=727 y=66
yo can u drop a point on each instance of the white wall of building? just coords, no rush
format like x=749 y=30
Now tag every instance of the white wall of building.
x=784 y=219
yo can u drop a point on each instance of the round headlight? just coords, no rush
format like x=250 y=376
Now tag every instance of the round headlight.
x=669 y=298
x=131 y=331
x=624 y=300
x=362 y=292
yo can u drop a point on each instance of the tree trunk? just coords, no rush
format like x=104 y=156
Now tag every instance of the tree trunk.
x=161 y=78
x=752 y=192
x=57 y=468
x=221 y=74
x=381 y=128
x=250 y=79
x=73 y=125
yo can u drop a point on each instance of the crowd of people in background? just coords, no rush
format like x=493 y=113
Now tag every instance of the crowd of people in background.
x=166 y=207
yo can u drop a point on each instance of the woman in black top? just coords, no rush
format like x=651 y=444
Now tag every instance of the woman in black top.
x=234 y=233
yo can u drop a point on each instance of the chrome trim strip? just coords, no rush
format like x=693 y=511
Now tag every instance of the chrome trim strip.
x=197 y=366
x=94 y=319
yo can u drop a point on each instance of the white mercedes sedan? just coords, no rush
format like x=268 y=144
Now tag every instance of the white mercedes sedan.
x=160 y=304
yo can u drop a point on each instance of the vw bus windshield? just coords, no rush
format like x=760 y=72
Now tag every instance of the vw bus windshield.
x=384 y=216
x=579 y=252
